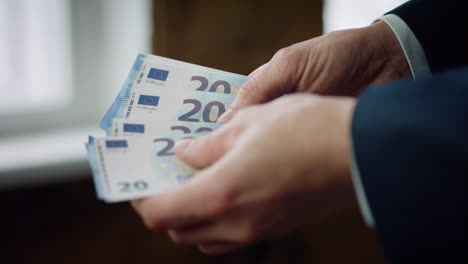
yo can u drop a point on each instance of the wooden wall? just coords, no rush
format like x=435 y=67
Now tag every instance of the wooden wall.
x=236 y=36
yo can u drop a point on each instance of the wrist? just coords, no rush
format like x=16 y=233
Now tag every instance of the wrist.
x=341 y=145
x=386 y=50
x=338 y=150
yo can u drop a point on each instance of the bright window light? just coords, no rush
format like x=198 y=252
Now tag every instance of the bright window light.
x=36 y=54
x=61 y=64
x=344 y=14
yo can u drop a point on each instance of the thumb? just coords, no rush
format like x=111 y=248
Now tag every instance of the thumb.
x=270 y=80
x=202 y=151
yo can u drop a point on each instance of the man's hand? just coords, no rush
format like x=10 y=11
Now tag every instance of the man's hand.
x=339 y=63
x=264 y=173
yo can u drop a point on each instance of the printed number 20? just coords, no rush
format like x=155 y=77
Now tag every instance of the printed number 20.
x=133 y=186
x=167 y=149
x=197 y=106
x=204 y=84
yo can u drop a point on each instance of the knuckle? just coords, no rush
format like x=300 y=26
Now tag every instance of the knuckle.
x=176 y=237
x=287 y=58
x=250 y=88
x=254 y=90
x=219 y=206
x=249 y=234
x=210 y=251
x=222 y=202
x=152 y=223
x=284 y=54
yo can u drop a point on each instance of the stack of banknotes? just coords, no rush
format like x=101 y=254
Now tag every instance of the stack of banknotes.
x=161 y=102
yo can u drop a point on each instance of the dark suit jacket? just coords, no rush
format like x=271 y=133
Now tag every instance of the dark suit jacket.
x=411 y=144
x=441 y=26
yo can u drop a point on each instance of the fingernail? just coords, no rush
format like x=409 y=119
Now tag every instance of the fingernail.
x=225 y=116
x=182 y=144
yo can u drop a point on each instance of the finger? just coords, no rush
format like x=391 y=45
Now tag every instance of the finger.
x=136 y=204
x=225 y=229
x=215 y=248
x=199 y=200
x=226 y=116
x=189 y=204
x=203 y=151
x=257 y=70
x=276 y=78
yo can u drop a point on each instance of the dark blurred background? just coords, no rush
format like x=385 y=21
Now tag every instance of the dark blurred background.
x=49 y=212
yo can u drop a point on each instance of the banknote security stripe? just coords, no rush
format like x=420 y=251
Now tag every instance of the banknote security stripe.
x=158 y=74
x=106 y=121
x=135 y=128
x=148 y=100
x=116 y=144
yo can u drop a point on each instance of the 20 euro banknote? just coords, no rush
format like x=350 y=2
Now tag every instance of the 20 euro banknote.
x=185 y=92
x=126 y=168
x=158 y=126
x=161 y=101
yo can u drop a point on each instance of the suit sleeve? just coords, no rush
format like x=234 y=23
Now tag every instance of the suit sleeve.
x=410 y=142
x=441 y=28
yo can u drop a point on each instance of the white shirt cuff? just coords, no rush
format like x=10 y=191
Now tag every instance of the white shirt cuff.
x=413 y=50
x=419 y=66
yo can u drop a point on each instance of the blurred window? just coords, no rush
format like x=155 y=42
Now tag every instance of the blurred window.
x=62 y=63
x=344 y=14
x=35 y=51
